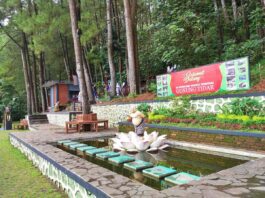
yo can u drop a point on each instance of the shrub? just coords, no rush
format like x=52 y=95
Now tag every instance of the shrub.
x=245 y=106
x=181 y=105
x=132 y=95
x=207 y=117
x=232 y=118
x=144 y=108
x=162 y=111
x=258 y=118
x=152 y=87
x=154 y=117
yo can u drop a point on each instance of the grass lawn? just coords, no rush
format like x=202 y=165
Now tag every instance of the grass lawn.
x=19 y=178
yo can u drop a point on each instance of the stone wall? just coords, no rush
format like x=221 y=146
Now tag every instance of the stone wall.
x=251 y=142
x=213 y=105
x=58 y=118
x=118 y=112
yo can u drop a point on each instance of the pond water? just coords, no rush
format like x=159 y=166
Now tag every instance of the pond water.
x=192 y=162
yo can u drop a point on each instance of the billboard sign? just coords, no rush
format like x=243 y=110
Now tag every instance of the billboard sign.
x=223 y=76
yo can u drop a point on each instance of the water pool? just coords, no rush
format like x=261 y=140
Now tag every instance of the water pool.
x=191 y=162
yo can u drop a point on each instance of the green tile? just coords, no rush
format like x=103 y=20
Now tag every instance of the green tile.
x=107 y=155
x=158 y=172
x=138 y=165
x=85 y=148
x=74 y=146
x=63 y=141
x=181 y=178
x=121 y=159
x=70 y=143
x=92 y=152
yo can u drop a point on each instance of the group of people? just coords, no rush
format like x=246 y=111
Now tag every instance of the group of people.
x=121 y=90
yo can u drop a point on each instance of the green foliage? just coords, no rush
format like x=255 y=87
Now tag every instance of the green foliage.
x=181 y=105
x=244 y=106
x=132 y=95
x=9 y=97
x=144 y=108
x=241 y=119
x=205 y=117
x=233 y=118
x=161 y=111
x=152 y=87
x=257 y=72
x=156 y=118
x=183 y=32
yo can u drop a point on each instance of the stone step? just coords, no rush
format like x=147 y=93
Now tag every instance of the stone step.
x=39 y=121
x=181 y=178
x=93 y=152
x=158 y=172
x=121 y=159
x=138 y=165
x=40 y=116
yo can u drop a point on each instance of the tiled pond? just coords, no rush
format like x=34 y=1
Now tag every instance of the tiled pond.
x=159 y=170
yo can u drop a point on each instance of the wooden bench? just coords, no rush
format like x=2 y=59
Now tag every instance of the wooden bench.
x=94 y=124
x=71 y=126
x=85 y=119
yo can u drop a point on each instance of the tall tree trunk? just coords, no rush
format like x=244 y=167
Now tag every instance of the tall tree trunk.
x=133 y=5
x=78 y=57
x=34 y=81
x=118 y=31
x=32 y=92
x=88 y=79
x=245 y=19
x=110 y=49
x=65 y=56
x=26 y=74
x=130 y=46
x=225 y=11
x=219 y=29
x=127 y=69
x=234 y=6
x=101 y=72
x=42 y=81
x=234 y=26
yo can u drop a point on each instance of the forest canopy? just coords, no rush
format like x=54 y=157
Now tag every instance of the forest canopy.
x=120 y=40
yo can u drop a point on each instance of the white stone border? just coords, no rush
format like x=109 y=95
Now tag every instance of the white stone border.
x=70 y=186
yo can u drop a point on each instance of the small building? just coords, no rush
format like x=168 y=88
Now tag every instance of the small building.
x=62 y=91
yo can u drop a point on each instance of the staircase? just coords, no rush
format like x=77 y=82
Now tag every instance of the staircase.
x=38 y=119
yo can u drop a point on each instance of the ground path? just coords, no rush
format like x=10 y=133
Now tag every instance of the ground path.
x=246 y=180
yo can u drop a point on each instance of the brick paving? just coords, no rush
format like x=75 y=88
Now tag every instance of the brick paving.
x=245 y=180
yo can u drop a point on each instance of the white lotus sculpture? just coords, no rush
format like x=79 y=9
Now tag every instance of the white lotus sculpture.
x=131 y=142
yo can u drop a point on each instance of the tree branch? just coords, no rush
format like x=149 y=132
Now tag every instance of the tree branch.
x=4 y=45
x=9 y=36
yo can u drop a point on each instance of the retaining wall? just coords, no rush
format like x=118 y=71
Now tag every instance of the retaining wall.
x=118 y=112
x=227 y=138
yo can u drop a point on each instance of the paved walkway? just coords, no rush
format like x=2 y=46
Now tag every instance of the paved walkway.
x=246 y=180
